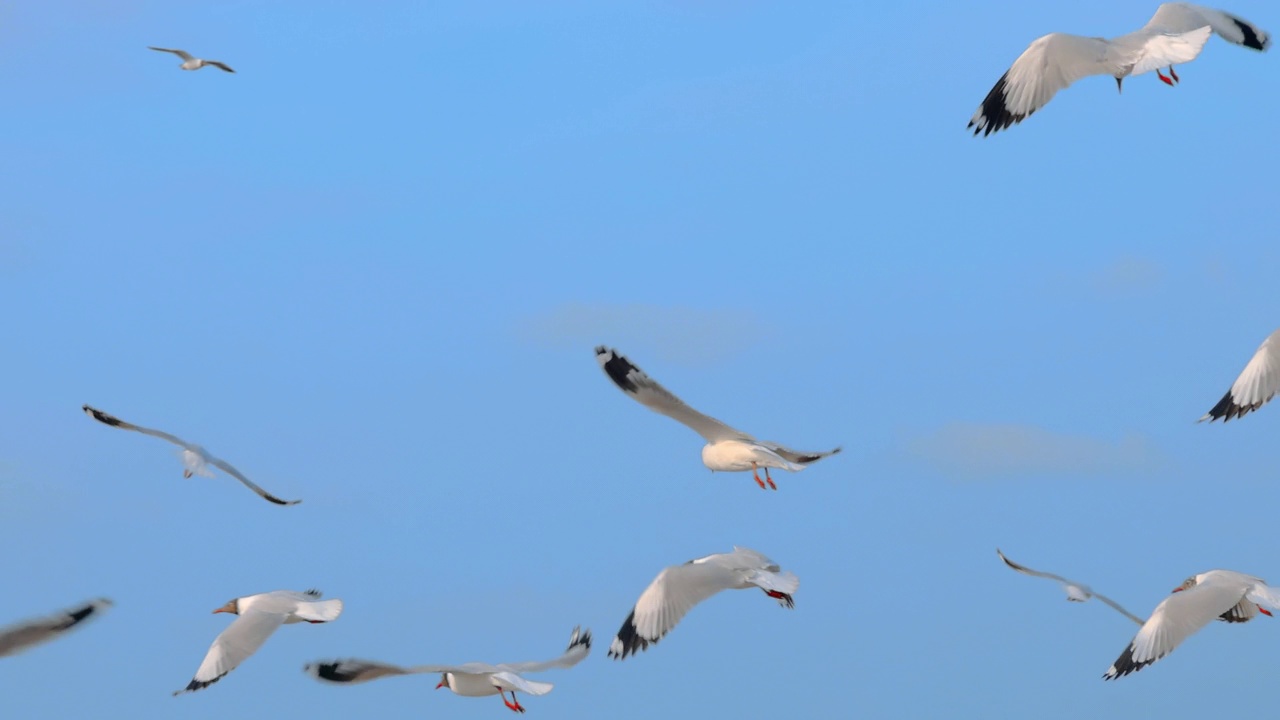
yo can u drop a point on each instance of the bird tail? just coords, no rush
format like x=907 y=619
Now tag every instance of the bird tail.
x=320 y=610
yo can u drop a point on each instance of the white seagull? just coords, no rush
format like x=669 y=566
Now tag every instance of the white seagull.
x=195 y=458
x=727 y=450
x=1076 y=592
x=20 y=636
x=1258 y=383
x=192 y=63
x=1175 y=34
x=469 y=679
x=1218 y=594
x=678 y=588
x=260 y=615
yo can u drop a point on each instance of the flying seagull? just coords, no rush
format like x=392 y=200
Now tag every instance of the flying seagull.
x=678 y=588
x=1076 y=592
x=727 y=449
x=1218 y=594
x=259 y=616
x=469 y=679
x=1175 y=34
x=192 y=63
x=1258 y=383
x=195 y=458
x=20 y=636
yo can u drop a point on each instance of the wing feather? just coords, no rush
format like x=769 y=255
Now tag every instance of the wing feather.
x=241 y=639
x=1256 y=385
x=634 y=382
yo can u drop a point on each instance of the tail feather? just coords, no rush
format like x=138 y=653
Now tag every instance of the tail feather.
x=319 y=611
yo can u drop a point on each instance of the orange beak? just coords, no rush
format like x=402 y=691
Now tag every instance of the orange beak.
x=1178 y=589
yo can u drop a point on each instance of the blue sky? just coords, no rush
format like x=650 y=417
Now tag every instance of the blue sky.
x=370 y=267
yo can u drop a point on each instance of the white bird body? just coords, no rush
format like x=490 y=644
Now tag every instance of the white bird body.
x=678 y=588
x=1256 y=385
x=29 y=633
x=468 y=679
x=195 y=459
x=193 y=63
x=1076 y=592
x=1174 y=35
x=1217 y=594
x=259 y=616
x=727 y=449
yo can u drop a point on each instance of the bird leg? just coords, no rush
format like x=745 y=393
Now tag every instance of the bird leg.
x=769 y=479
x=1173 y=74
x=784 y=598
x=756 y=474
x=514 y=705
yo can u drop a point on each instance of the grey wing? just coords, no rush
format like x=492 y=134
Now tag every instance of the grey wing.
x=23 y=635
x=634 y=382
x=354 y=671
x=512 y=682
x=241 y=639
x=113 y=421
x=180 y=53
x=219 y=65
x=797 y=456
x=1036 y=573
x=579 y=648
x=665 y=602
x=1184 y=17
x=1256 y=385
x=1117 y=607
x=1049 y=64
x=224 y=466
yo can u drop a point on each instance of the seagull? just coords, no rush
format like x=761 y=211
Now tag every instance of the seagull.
x=1076 y=592
x=195 y=458
x=469 y=679
x=260 y=615
x=192 y=63
x=678 y=588
x=1223 y=594
x=727 y=449
x=1258 y=383
x=1175 y=34
x=20 y=636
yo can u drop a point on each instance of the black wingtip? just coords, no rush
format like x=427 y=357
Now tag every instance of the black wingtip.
x=994 y=112
x=329 y=671
x=618 y=368
x=1227 y=408
x=1251 y=39
x=1125 y=665
x=630 y=641
x=100 y=416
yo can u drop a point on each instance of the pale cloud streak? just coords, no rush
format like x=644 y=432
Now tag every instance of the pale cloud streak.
x=975 y=451
x=671 y=333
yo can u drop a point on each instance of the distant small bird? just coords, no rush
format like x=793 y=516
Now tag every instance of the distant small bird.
x=469 y=679
x=259 y=616
x=1257 y=384
x=1175 y=34
x=678 y=588
x=1076 y=592
x=1218 y=594
x=20 y=636
x=195 y=458
x=192 y=63
x=727 y=449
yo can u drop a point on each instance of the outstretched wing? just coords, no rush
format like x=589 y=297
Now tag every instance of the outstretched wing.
x=1182 y=17
x=1165 y=49
x=796 y=456
x=355 y=671
x=180 y=53
x=225 y=467
x=667 y=599
x=20 y=636
x=1049 y=64
x=113 y=421
x=634 y=382
x=1257 y=383
x=579 y=648
x=219 y=65
x=241 y=639
x=512 y=682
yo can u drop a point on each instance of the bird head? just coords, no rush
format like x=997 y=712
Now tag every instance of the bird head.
x=1187 y=584
x=232 y=606
x=444 y=681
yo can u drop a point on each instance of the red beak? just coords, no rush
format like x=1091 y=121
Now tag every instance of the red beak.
x=441 y=683
x=1264 y=611
x=1178 y=589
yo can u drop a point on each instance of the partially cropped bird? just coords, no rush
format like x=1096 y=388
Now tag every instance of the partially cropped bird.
x=727 y=449
x=473 y=679
x=29 y=633
x=1256 y=385
x=259 y=616
x=678 y=588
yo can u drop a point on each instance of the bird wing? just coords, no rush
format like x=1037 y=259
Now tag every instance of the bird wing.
x=634 y=382
x=180 y=53
x=23 y=635
x=1048 y=65
x=797 y=456
x=672 y=594
x=1258 y=383
x=1175 y=619
x=511 y=682
x=355 y=671
x=225 y=467
x=1261 y=594
x=579 y=648
x=219 y=65
x=1090 y=592
x=1182 y=17
x=114 y=421
x=1165 y=49
x=241 y=639
x=1118 y=608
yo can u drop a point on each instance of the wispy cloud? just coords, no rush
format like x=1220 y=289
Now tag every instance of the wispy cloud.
x=990 y=451
x=1128 y=276
x=673 y=334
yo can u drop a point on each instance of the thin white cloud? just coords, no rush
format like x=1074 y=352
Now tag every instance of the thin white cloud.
x=671 y=333
x=991 y=451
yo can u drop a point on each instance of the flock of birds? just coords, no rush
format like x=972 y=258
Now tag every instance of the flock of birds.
x=1175 y=34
